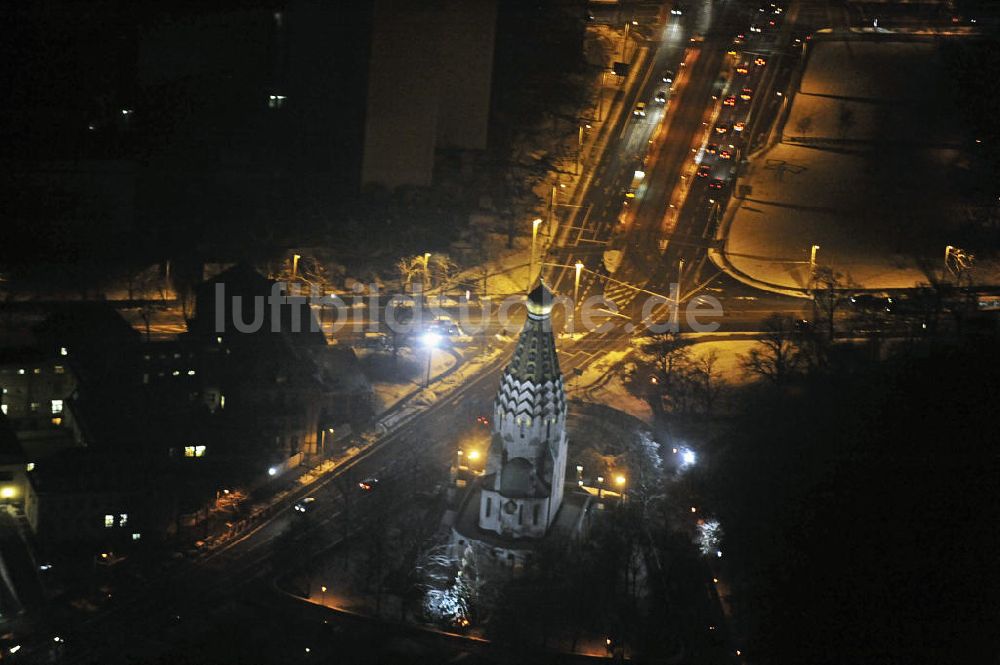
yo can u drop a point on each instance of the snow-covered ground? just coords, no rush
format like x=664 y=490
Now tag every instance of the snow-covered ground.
x=870 y=168
x=601 y=382
x=394 y=379
x=419 y=398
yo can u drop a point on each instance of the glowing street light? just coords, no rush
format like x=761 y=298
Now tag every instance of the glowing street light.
x=295 y=265
x=473 y=455
x=535 y=223
x=430 y=340
x=323 y=594
x=620 y=480
x=576 y=284
x=812 y=257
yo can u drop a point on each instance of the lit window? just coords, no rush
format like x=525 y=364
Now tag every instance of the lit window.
x=194 y=451
x=35 y=406
x=63 y=351
x=30 y=466
x=190 y=372
x=176 y=372
x=37 y=370
x=57 y=420
x=7 y=492
x=59 y=369
x=276 y=101
x=222 y=401
x=20 y=371
x=109 y=521
x=3 y=408
x=123 y=519
x=136 y=536
x=57 y=406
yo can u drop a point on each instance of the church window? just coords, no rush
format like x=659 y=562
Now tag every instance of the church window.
x=520 y=514
x=489 y=506
x=534 y=514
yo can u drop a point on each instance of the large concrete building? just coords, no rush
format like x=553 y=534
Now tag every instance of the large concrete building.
x=429 y=85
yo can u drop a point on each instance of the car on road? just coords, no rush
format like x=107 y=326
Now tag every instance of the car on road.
x=368 y=484
x=729 y=101
x=739 y=126
x=661 y=97
x=722 y=128
x=303 y=505
x=640 y=110
x=746 y=94
x=483 y=420
x=725 y=154
x=743 y=68
x=873 y=302
x=668 y=76
x=712 y=149
x=704 y=171
x=717 y=183
x=760 y=62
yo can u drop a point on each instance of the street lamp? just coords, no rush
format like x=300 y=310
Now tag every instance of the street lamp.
x=579 y=151
x=323 y=596
x=295 y=265
x=576 y=283
x=812 y=257
x=680 y=274
x=535 y=223
x=430 y=341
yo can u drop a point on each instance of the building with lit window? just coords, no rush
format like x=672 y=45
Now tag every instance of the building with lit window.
x=100 y=500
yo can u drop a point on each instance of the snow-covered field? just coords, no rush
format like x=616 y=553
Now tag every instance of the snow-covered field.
x=869 y=168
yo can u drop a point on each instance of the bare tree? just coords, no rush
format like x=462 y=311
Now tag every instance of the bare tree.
x=845 y=120
x=776 y=357
x=442 y=269
x=707 y=380
x=829 y=291
x=804 y=124
x=410 y=267
x=661 y=374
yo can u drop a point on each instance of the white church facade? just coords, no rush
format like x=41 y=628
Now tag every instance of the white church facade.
x=522 y=488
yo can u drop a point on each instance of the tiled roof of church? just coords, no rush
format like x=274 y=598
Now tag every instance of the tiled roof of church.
x=535 y=357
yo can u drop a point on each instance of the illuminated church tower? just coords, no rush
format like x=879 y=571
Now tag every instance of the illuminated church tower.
x=523 y=483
